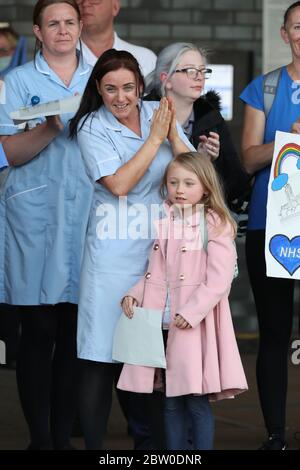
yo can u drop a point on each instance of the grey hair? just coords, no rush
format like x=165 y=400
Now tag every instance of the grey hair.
x=167 y=61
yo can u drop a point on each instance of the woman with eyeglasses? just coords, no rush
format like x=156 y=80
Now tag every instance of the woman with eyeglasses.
x=180 y=73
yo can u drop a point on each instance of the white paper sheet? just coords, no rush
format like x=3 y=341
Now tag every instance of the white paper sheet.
x=138 y=340
x=52 y=108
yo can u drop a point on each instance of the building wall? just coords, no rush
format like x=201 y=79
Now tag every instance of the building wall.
x=217 y=24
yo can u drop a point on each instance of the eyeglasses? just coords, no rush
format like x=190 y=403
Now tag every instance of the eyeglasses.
x=193 y=73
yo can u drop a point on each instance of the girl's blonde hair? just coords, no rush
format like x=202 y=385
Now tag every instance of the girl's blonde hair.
x=200 y=164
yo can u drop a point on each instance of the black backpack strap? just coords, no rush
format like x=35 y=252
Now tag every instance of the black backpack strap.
x=270 y=84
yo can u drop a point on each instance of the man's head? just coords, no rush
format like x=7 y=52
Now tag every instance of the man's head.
x=98 y=15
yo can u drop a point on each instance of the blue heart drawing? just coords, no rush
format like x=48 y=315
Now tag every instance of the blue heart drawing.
x=286 y=252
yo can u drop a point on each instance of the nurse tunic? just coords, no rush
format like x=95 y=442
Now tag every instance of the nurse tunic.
x=120 y=230
x=44 y=203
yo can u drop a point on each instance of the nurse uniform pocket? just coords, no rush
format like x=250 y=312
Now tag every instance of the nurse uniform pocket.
x=26 y=208
x=26 y=212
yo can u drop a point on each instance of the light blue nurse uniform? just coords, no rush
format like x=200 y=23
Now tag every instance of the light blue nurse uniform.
x=3 y=159
x=118 y=241
x=44 y=204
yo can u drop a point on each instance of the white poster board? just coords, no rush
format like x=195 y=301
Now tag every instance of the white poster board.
x=282 y=248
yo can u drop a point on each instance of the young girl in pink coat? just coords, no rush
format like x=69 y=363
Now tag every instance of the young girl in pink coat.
x=190 y=284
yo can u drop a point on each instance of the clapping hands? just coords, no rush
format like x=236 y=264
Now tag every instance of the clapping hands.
x=210 y=144
x=164 y=121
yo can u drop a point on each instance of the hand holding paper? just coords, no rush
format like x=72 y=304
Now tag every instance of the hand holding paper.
x=127 y=306
x=54 y=122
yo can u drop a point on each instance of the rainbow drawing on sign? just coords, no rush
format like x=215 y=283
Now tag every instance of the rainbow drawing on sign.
x=281 y=178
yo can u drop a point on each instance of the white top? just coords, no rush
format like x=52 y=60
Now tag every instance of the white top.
x=145 y=57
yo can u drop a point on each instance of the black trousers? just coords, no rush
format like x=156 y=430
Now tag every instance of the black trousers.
x=144 y=412
x=10 y=331
x=274 y=305
x=46 y=373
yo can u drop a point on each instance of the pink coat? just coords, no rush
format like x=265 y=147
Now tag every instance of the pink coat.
x=204 y=359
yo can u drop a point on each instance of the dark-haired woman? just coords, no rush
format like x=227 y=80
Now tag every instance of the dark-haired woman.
x=126 y=145
x=45 y=202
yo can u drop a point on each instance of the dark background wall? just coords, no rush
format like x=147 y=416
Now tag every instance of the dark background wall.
x=229 y=29
x=217 y=24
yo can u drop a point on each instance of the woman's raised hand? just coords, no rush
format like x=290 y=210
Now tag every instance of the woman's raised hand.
x=161 y=121
x=127 y=306
x=210 y=144
x=173 y=132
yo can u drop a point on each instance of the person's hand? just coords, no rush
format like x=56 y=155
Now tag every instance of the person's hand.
x=127 y=306
x=54 y=123
x=161 y=122
x=295 y=129
x=173 y=132
x=180 y=322
x=211 y=145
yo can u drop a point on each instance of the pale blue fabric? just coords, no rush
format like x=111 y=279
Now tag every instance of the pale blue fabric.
x=3 y=159
x=44 y=204
x=112 y=266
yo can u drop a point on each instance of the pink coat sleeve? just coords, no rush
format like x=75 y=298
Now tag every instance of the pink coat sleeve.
x=221 y=258
x=137 y=291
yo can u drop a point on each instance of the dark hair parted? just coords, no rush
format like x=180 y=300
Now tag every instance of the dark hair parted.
x=42 y=4
x=288 y=11
x=110 y=60
x=38 y=10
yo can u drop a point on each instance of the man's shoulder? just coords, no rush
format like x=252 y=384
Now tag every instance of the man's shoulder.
x=120 y=44
x=145 y=57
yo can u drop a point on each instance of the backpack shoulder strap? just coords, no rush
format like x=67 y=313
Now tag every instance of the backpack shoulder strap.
x=270 y=84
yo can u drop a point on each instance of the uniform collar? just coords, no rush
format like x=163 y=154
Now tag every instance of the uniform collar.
x=42 y=66
x=112 y=123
